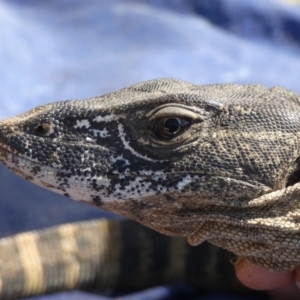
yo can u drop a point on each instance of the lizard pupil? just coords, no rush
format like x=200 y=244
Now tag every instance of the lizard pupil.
x=169 y=128
x=172 y=126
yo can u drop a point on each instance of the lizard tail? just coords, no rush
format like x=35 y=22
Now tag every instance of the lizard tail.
x=105 y=254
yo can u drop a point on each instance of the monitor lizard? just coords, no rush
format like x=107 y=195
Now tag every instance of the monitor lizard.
x=213 y=162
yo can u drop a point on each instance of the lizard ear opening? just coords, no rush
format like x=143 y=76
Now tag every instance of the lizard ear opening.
x=294 y=176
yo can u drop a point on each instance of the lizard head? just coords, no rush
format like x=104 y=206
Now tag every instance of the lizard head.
x=177 y=157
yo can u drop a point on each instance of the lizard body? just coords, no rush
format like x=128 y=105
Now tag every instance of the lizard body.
x=215 y=162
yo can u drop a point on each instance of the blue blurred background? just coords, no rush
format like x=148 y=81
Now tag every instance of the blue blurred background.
x=55 y=50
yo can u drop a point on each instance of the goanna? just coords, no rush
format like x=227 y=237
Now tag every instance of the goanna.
x=213 y=162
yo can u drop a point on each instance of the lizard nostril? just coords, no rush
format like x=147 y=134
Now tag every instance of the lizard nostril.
x=44 y=129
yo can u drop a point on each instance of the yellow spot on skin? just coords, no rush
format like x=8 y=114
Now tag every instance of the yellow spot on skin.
x=31 y=262
x=70 y=254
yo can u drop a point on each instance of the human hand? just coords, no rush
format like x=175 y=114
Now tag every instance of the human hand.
x=284 y=285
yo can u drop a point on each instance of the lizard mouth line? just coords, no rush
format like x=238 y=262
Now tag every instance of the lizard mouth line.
x=15 y=157
x=4 y=149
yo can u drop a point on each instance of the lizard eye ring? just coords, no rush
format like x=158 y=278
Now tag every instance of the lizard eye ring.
x=170 y=123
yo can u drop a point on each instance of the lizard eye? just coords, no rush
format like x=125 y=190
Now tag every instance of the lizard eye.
x=171 y=127
x=171 y=124
x=44 y=129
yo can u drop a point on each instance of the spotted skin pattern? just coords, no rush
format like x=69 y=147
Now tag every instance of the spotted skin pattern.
x=215 y=162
